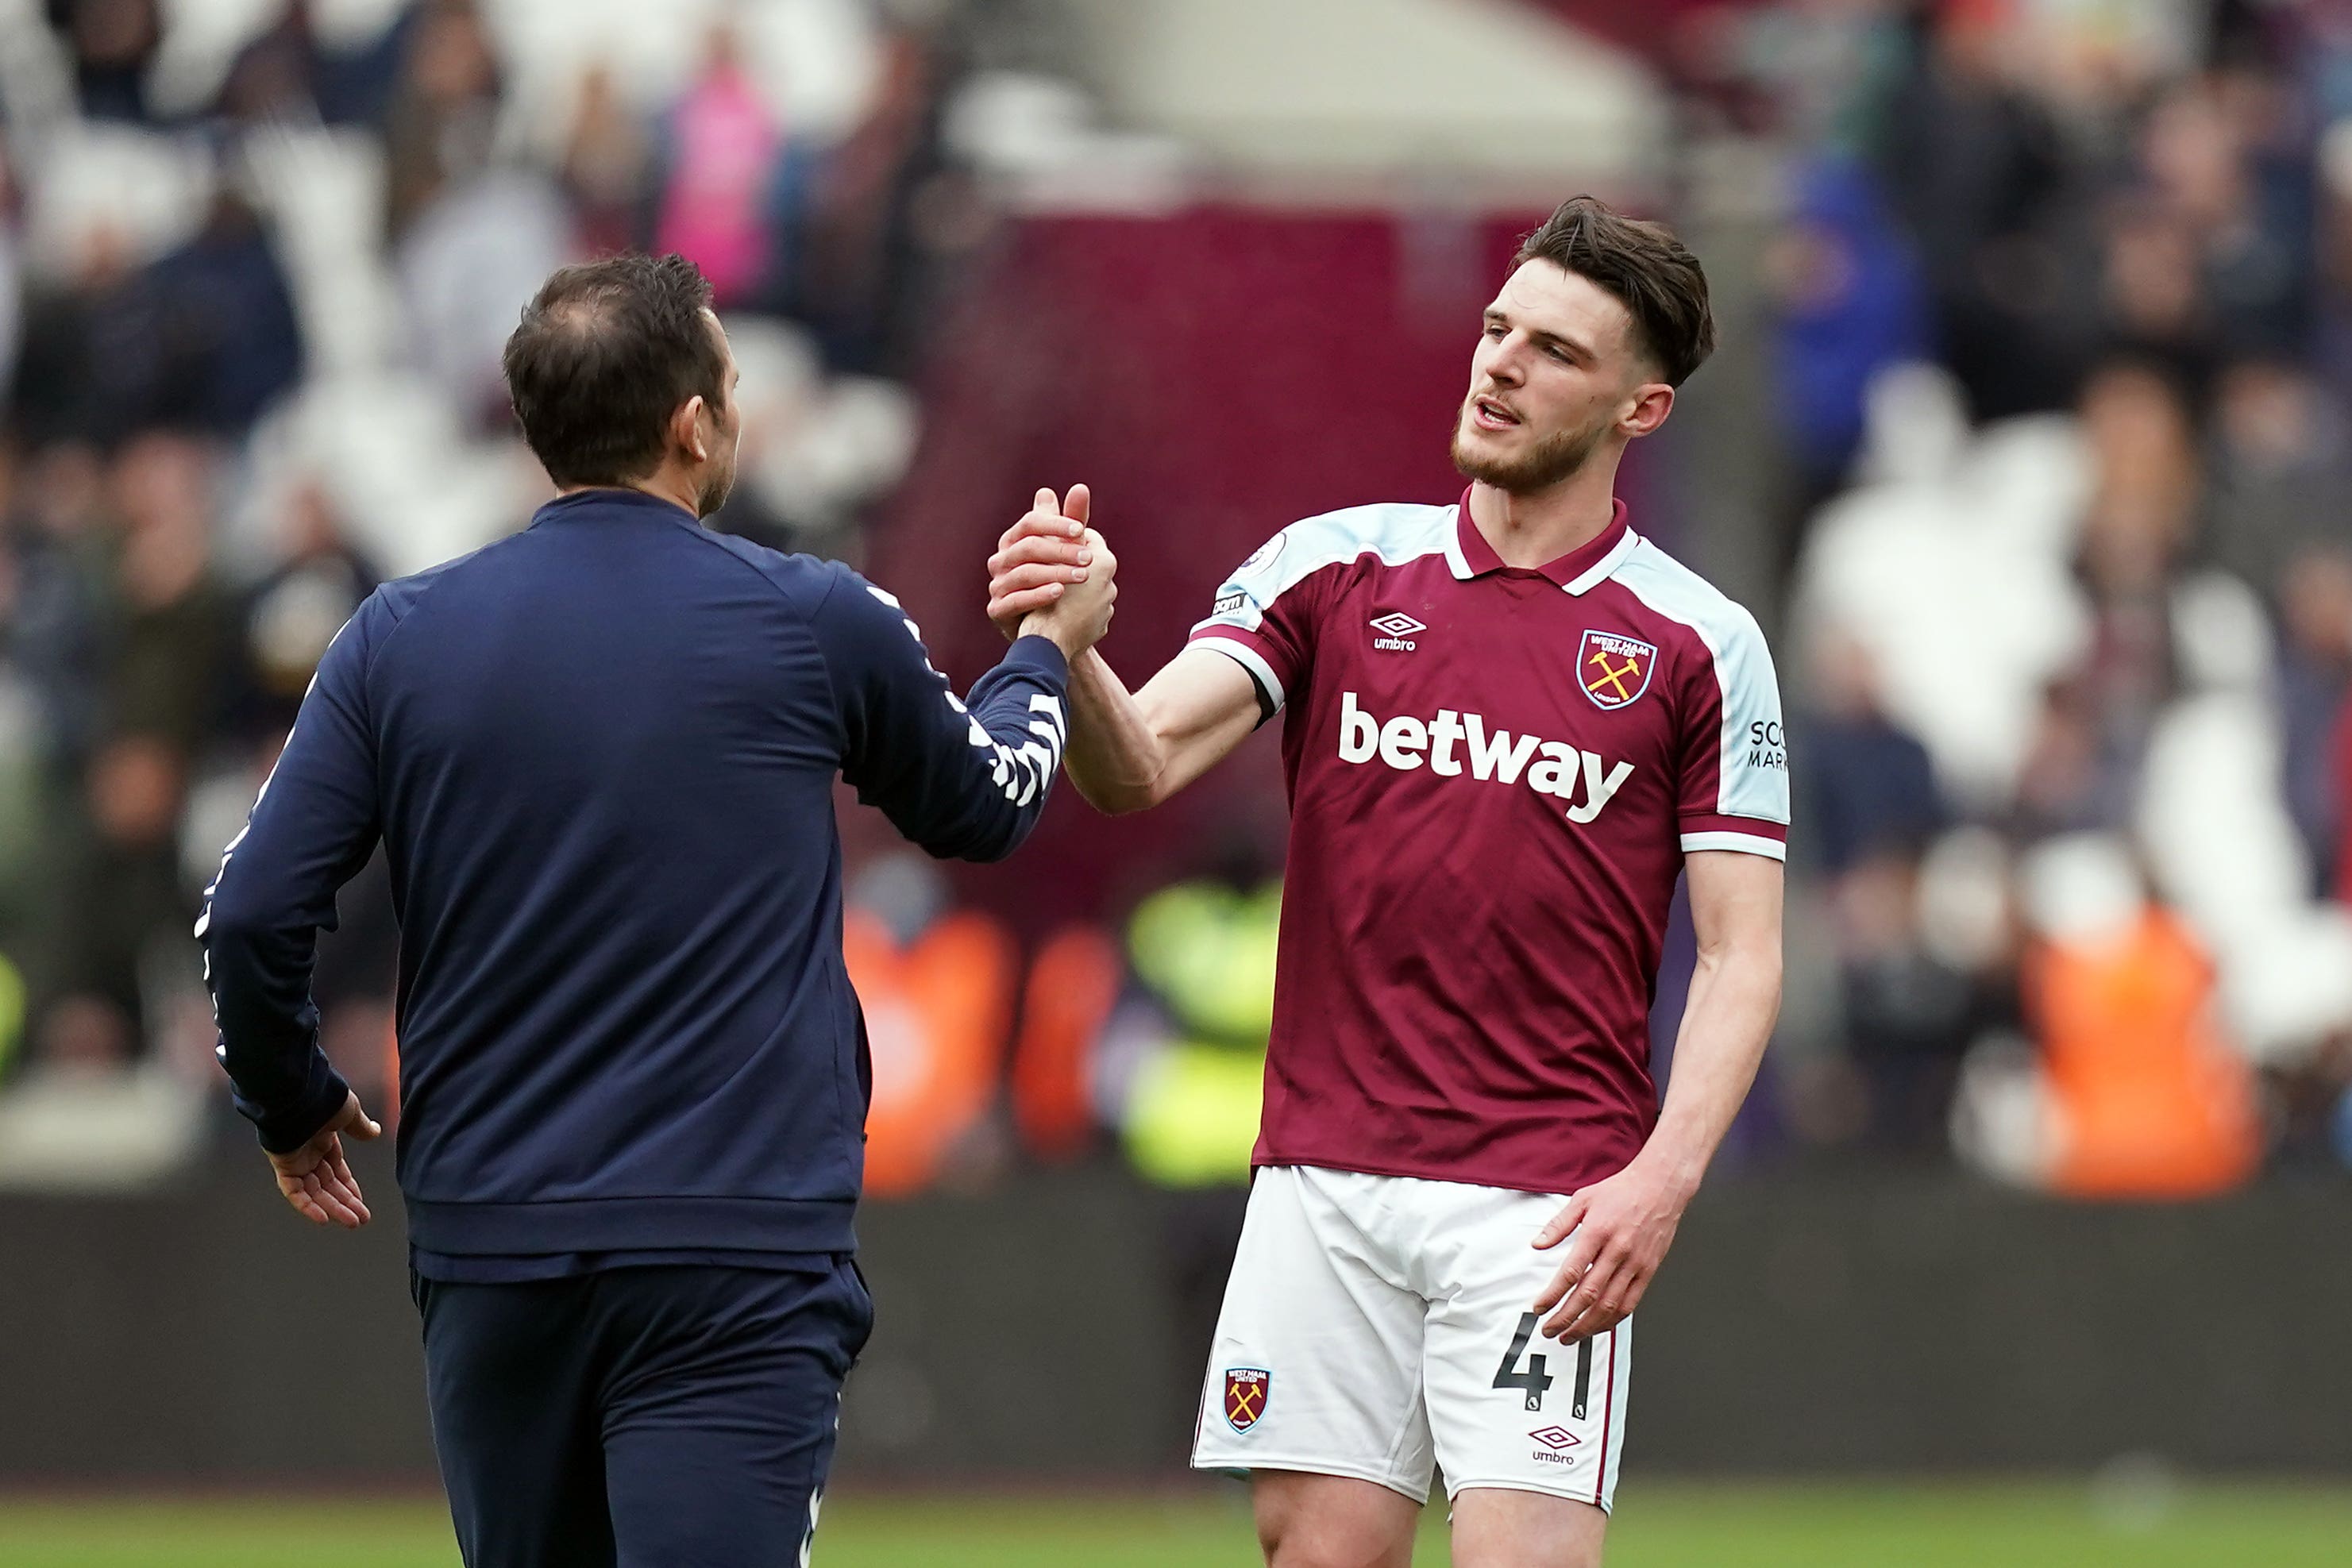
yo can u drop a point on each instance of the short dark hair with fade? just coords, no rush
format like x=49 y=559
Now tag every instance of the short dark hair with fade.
x=605 y=352
x=1651 y=272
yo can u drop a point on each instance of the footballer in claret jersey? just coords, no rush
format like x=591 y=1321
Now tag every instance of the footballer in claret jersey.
x=1510 y=724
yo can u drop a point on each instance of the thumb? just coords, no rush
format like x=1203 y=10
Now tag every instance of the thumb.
x=355 y=1122
x=1080 y=503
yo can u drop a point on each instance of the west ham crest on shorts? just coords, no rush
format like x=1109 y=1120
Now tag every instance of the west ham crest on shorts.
x=1614 y=670
x=1245 y=1391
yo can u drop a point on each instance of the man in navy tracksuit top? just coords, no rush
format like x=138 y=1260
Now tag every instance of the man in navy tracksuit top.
x=601 y=755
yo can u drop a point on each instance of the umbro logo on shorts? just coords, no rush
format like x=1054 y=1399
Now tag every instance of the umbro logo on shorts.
x=1396 y=629
x=1247 y=1388
x=1556 y=1440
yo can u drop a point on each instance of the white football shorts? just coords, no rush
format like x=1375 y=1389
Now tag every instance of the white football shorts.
x=1378 y=1326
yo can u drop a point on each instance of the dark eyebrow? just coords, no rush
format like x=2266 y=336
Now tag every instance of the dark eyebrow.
x=1496 y=314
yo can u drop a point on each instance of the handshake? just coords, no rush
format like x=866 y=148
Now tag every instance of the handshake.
x=1053 y=577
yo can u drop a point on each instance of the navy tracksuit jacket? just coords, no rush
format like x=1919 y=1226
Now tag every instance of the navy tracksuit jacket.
x=601 y=756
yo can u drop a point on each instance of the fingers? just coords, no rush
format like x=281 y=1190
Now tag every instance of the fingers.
x=1597 y=1301
x=1575 y=1264
x=1595 y=1323
x=1562 y=1282
x=1047 y=516
x=1557 y=1229
x=1031 y=571
x=1607 y=1291
x=303 y=1203
x=1063 y=554
x=1022 y=578
x=1012 y=607
x=1080 y=502
x=324 y=1191
x=1039 y=525
x=1052 y=550
x=315 y=1199
x=341 y=1201
x=346 y=1186
x=1045 y=520
x=1612 y=1304
x=1034 y=564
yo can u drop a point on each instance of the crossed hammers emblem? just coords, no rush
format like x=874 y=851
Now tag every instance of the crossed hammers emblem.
x=1615 y=677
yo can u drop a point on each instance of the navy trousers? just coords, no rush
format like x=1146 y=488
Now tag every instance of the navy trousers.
x=642 y=1417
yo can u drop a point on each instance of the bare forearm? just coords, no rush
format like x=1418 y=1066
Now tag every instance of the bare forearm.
x=1734 y=998
x=1115 y=757
x=1624 y=1225
x=1132 y=749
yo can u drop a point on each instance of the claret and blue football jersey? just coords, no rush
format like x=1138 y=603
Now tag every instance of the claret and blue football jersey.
x=1495 y=775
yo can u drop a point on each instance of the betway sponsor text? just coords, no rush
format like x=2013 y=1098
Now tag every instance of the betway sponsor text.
x=1580 y=778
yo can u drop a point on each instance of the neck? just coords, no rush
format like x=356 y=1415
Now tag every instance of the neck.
x=1538 y=525
x=664 y=484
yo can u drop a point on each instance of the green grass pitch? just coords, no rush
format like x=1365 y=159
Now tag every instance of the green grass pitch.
x=1658 y=1526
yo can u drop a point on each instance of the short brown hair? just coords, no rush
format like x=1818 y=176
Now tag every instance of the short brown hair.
x=604 y=355
x=1651 y=272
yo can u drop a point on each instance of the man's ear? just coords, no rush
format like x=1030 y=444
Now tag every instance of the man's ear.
x=1652 y=401
x=685 y=429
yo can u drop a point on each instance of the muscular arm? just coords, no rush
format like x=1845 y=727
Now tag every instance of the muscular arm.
x=1623 y=1226
x=1130 y=750
x=1127 y=750
x=1734 y=995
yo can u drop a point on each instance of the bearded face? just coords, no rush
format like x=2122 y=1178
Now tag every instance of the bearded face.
x=1555 y=370
x=1526 y=467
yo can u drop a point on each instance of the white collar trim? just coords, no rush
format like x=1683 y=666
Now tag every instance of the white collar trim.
x=1601 y=570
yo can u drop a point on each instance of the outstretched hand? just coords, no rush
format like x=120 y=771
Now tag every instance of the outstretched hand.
x=316 y=1178
x=1044 y=558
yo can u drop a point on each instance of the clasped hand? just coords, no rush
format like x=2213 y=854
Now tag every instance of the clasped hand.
x=1053 y=574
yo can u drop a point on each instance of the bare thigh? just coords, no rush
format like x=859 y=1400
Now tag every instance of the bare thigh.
x=1332 y=1522
x=1497 y=1528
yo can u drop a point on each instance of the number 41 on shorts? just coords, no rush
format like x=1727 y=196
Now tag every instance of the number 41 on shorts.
x=1537 y=1379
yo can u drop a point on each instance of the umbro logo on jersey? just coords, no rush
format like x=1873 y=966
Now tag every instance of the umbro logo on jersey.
x=1579 y=777
x=1397 y=629
x=1614 y=670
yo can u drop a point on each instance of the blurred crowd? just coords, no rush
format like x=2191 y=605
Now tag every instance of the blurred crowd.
x=2058 y=317
x=258 y=259
x=2061 y=296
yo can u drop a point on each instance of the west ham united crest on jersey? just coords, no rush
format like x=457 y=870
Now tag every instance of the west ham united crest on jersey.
x=1615 y=669
x=1495 y=775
